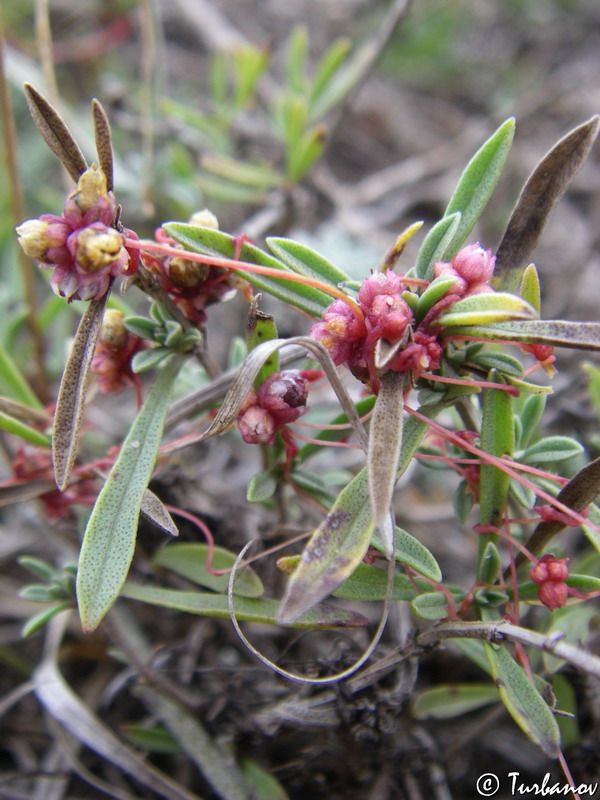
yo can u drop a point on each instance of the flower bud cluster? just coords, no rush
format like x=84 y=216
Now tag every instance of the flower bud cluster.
x=114 y=351
x=472 y=267
x=191 y=285
x=550 y=573
x=352 y=339
x=280 y=399
x=82 y=246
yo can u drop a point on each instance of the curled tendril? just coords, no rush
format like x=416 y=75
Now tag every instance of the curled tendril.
x=293 y=675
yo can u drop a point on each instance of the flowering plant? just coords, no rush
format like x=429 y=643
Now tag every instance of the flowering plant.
x=424 y=345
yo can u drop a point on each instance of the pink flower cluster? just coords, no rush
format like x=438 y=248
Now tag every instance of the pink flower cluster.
x=550 y=573
x=82 y=246
x=352 y=339
x=280 y=399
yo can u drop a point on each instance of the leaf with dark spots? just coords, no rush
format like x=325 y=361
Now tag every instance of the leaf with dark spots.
x=103 y=142
x=557 y=333
x=71 y=395
x=544 y=188
x=331 y=555
x=55 y=133
x=154 y=510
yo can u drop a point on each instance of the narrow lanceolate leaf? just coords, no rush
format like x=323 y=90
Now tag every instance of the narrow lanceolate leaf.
x=409 y=551
x=383 y=455
x=451 y=700
x=558 y=332
x=55 y=133
x=154 y=510
x=544 y=188
x=497 y=438
x=109 y=539
x=305 y=260
x=71 y=395
x=333 y=552
x=477 y=183
x=24 y=431
x=190 y=560
x=218 y=244
x=488 y=308
x=436 y=244
x=250 y=609
x=523 y=701
x=103 y=142
x=578 y=493
x=14 y=383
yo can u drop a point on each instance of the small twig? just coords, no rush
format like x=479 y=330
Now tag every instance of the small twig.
x=502 y=630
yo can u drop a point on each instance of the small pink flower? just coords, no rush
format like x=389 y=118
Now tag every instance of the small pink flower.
x=257 y=426
x=474 y=264
x=82 y=246
x=115 y=349
x=284 y=395
x=380 y=297
x=553 y=594
x=421 y=355
x=550 y=573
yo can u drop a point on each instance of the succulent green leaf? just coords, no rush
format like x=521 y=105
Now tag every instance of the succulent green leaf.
x=437 y=244
x=263 y=785
x=218 y=244
x=530 y=288
x=190 y=559
x=434 y=292
x=306 y=261
x=478 y=182
x=296 y=59
x=110 y=535
x=530 y=417
x=154 y=740
x=141 y=326
x=523 y=701
x=251 y=609
x=306 y=151
x=38 y=620
x=430 y=605
x=503 y=363
x=327 y=67
x=261 y=327
x=543 y=189
x=452 y=700
x=490 y=564
x=487 y=309
x=552 y=449
x=333 y=552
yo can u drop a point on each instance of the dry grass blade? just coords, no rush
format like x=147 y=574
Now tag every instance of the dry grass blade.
x=71 y=395
x=543 y=190
x=64 y=706
x=55 y=133
x=103 y=142
x=22 y=412
x=23 y=491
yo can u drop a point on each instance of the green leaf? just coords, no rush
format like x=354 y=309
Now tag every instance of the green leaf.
x=141 y=326
x=334 y=550
x=552 y=449
x=305 y=152
x=543 y=189
x=530 y=288
x=410 y=551
x=504 y=363
x=41 y=569
x=497 y=438
x=558 y=332
x=146 y=360
x=327 y=67
x=490 y=564
x=430 y=605
x=263 y=785
x=436 y=244
x=155 y=740
x=261 y=327
x=261 y=487
x=216 y=243
x=530 y=416
x=13 y=382
x=38 y=620
x=189 y=560
x=244 y=173
x=523 y=701
x=23 y=431
x=452 y=700
x=305 y=261
x=478 y=182
x=488 y=308
x=434 y=292
x=250 y=609
x=109 y=539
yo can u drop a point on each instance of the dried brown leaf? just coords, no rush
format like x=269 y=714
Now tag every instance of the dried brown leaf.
x=154 y=509
x=103 y=142
x=71 y=395
x=55 y=133
x=543 y=189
